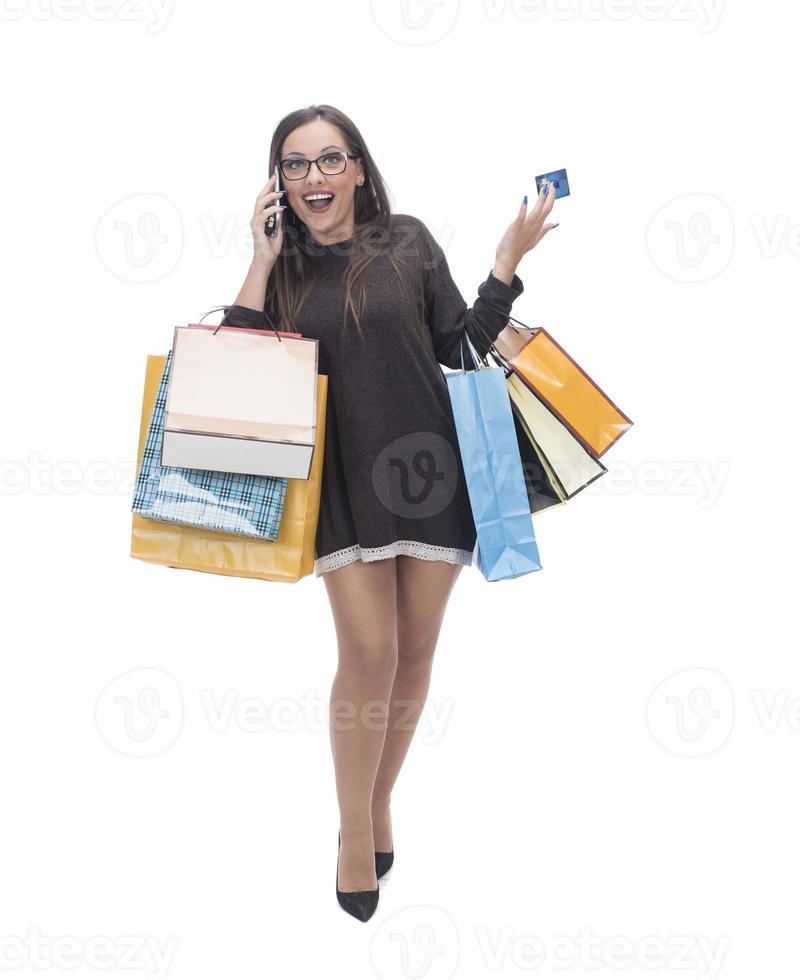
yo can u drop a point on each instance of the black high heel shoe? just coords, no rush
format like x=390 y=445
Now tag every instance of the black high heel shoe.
x=359 y=904
x=383 y=861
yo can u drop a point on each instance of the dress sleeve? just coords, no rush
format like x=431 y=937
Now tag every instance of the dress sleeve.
x=243 y=316
x=447 y=314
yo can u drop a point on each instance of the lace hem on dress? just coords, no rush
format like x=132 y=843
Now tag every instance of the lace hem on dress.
x=414 y=549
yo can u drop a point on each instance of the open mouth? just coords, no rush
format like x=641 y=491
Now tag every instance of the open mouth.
x=318 y=203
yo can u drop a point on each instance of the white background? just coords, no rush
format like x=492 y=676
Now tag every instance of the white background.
x=610 y=747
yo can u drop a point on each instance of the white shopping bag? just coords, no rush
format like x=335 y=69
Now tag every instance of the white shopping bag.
x=241 y=400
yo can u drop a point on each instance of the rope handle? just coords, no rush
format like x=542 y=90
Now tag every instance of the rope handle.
x=493 y=351
x=525 y=325
x=216 y=309
x=477 y=360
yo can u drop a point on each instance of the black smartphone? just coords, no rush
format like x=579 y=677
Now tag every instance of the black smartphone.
x=271 y=224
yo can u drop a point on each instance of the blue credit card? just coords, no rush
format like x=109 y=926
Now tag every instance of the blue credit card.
x=557 y=177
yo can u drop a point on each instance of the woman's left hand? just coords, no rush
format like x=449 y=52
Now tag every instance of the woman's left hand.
x=526 y=231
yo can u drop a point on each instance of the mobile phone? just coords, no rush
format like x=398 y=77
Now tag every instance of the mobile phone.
x=271 y=224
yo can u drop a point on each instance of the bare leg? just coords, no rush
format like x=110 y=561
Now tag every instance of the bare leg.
x=363 y=598
x=423 y=588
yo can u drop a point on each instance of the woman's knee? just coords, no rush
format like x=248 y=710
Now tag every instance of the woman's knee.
x=374 y=659
x=416 y=647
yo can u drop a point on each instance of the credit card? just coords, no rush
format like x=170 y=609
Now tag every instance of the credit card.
x=557 y=177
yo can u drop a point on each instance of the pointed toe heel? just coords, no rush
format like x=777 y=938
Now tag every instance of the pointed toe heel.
x=383 y=861
x=362 y=904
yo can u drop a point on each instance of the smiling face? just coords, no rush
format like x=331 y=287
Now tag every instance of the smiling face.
x=335 y=220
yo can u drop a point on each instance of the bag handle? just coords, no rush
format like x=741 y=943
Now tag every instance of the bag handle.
x=476 y=358
x=498 y=357
x=216 y=309
x=508 y=315
x=493 y=351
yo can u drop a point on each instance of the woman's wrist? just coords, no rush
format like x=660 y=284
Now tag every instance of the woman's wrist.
x=253 y=291
x=504 y=270
x=261 y=267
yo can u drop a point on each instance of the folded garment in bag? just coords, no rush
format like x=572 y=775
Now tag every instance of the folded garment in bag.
x=238 y=503
x=241 y=401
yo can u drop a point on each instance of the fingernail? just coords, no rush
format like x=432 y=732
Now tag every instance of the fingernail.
x=525 y=199
x=557 y=224
x=283 y=207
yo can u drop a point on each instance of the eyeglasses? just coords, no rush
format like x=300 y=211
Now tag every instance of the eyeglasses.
x=296 y=168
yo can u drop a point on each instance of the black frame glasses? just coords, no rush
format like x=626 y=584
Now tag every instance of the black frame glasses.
x=347 y=156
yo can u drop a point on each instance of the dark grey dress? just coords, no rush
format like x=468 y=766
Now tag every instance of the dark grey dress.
x=393 y=482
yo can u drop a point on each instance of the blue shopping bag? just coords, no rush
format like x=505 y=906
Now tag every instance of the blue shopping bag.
x=487 y=441
x=237 y=503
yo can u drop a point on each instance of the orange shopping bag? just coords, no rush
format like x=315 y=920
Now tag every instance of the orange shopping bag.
x=543 y=365
x=288 y=559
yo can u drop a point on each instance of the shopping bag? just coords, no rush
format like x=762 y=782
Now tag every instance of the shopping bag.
x=569 y=466
x=288 y=559
x=235 y=502
x=535 y=357
x=542 y=489
x=563 y=466
x=541 y=484
x=505 y=543
x=241 y=400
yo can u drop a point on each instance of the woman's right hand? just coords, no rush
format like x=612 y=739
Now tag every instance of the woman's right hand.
x=266 y=248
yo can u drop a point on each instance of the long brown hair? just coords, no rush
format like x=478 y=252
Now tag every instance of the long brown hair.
x=296 y=267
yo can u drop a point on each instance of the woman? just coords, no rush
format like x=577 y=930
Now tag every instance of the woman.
x=395 y=526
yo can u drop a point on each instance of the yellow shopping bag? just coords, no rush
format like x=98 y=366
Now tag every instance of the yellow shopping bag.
x=288 y=559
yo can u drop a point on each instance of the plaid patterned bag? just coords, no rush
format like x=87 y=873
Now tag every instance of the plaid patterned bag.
x=238 y=503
